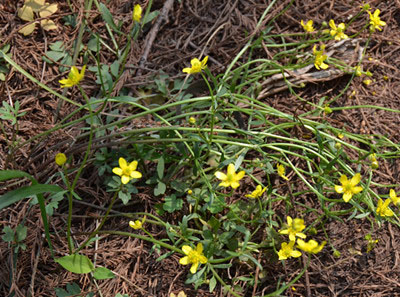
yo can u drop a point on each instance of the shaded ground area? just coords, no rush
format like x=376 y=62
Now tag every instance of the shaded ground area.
x=218 y=29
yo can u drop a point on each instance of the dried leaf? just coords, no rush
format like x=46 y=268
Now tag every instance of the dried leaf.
x=26 y=13
x=48 y=10
x=48 y=25
x=28 y=29
x=36 y=5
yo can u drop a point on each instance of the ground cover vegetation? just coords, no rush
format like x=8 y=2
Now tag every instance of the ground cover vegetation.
x=193 y=174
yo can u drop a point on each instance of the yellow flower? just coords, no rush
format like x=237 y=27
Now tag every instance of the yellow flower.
x=60 y=159
x=257 y=193
x=127 y=171
x=374 y=161
x=192 y=120
x=375 y=21
x=358 y=70
x=382 y=208
x=311 y=246
x=348 y=187
x=137 y=13
x=308 y=27
x=320 y=58
x=337 y=32
x=190 y=192
x=287 y=251
x=367 y=82
x=194 y=257
x=393 y=197
x=281 y=171
x=231 y=179
x=137 y=224
x=74 y=77
x=197 y=66
x=294 y=228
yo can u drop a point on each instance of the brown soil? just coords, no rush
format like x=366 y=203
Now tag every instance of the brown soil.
x=226 y=25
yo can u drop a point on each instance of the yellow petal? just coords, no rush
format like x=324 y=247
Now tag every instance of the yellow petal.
x=184 y=260
x=204 y=62
x=193 y=269
x=240 y=175
x=186 y=249
x=235 y=185
x=339 y=189
x=357 y=190
x=117 y=171
x=220 y=175
x=199 y=248
x=231 y=169
x=295 y=254
x=203 y=259
x=332 y=24
x=224 y=184
x=343 y=179
x=122 y=162
x=125 y=179
x=133 y=165
x=136 y=174
x=355 y=179
x=347 y=196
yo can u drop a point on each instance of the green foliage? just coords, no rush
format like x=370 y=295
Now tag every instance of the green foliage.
x=184 y=162
x=15 y=238
x=72 y=290
x=4 y=67
x=58 y=53
x=11 y=113
x=76 y=263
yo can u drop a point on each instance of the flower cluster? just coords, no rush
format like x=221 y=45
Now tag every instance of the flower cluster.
x=294 y=231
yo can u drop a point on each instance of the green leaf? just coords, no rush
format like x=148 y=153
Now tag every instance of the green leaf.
x=21 y=232
x=171 y=203
x=108 y=17
x=212 y=284
x=76 y=263
x=24 y=192
x=102 y=273
x=152 y=15
x=8 y=234
x=125 y=197
x=114 y=68
x=10 y=174
x=73 y=289
x=55 y=56
x=57 y=46
x=160 y=167
x=160 y=188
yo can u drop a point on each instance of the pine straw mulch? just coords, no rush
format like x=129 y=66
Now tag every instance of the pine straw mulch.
x=187 y=27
